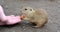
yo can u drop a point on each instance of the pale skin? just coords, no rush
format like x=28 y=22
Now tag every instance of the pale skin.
x=9 y=20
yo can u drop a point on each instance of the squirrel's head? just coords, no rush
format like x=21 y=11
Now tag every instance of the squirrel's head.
x=27 y=10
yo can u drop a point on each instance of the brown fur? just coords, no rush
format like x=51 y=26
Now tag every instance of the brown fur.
x=37 y=16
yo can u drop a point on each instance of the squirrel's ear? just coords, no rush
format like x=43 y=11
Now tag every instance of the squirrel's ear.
x=1 y=9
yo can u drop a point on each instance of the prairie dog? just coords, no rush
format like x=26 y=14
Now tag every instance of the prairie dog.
x=37 y=16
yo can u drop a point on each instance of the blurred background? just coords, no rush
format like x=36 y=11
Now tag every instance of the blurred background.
x=14 y=6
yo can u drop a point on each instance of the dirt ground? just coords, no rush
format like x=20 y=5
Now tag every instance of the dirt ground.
x=14 y=6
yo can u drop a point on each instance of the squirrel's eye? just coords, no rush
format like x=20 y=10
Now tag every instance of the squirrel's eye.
x=25 y=9
x=30 y=9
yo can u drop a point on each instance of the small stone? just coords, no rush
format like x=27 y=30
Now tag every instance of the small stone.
x=2 y=1
x=6 y=7
x=57 y=31
x=23 y=26
x=46 y=30
x=24 y=29
x=13 y=31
